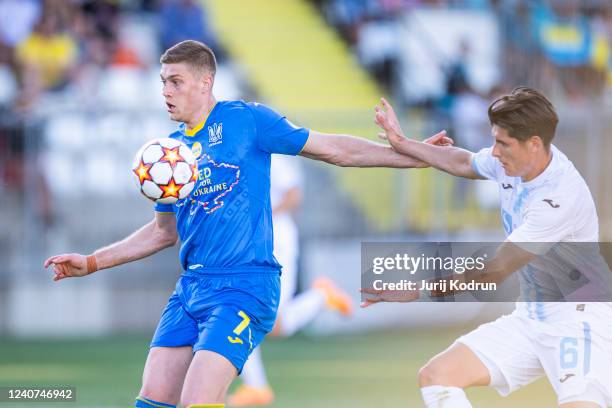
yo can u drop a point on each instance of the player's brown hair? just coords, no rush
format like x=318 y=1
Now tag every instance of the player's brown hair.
x=194 y=53
x=525 y=112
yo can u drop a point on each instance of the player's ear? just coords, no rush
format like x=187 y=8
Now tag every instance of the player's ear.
x=207 y=83
x=535 y=143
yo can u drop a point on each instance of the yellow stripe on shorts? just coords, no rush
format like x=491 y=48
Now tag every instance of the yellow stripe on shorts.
x=207 y=406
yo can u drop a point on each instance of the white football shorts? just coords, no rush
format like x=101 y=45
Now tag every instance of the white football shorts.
x=576 y=356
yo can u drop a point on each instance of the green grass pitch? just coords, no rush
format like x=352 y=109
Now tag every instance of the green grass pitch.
x=374 y=370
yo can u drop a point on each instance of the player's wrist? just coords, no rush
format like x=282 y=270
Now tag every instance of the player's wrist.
x=91 y=263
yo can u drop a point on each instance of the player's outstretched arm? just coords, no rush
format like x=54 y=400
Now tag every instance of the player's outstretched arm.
x=152 y=237
x=445 y=157
x=352 y=151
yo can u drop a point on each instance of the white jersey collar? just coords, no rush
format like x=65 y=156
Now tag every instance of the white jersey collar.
x=548 y=171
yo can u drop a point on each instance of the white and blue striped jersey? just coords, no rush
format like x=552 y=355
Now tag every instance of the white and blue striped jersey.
x=555 y=207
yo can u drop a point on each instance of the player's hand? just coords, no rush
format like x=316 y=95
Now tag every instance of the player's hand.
x=440 y=139
x=67 y=266
x=373 y=296
x=386 y=119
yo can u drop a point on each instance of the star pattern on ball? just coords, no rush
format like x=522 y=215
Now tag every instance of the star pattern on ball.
x=170 y=189
x=171 y=155
x=142 y=172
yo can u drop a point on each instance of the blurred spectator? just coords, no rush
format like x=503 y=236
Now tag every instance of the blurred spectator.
x=560 y=44
x=17 y=19
x=568 y=40
x=521 y=58
x=346 y=15
x=17 y=174
x=100 y=17
x=46 y=58
x=563 y=33
x=96 y=26
x=472 y=131
x=470 y=121
x=457 y=72
x=124 y=56
x=184 y=20
x=378 y=49
x=9 y=88
x=602 y=50
x=456 y=84
x=96 y=50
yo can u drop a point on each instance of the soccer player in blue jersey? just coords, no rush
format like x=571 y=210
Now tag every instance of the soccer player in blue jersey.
x=226 y=299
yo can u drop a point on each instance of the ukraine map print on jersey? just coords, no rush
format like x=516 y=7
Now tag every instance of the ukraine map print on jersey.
x=215 y=182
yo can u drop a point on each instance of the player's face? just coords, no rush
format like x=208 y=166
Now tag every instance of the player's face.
x=517 y=158
x=184 y=91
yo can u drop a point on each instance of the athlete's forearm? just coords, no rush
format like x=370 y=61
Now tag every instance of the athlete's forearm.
x=142 y=243
x=508 y=259
x=359 y=152
x=450 y=159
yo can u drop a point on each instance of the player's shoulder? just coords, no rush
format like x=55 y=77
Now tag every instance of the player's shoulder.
x=260 y=109
x=564 y=192
x=564 y=180
x=240 y=105
x=261 y=113
x=235 y=104
x=239 y=109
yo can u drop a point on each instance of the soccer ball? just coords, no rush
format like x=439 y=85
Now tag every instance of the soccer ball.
x=165 y=170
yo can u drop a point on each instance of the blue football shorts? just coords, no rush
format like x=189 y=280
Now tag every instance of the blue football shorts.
x=228 y=314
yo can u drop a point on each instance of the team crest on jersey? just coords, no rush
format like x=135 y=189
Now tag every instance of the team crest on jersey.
x=215 y=134
x=196 y=149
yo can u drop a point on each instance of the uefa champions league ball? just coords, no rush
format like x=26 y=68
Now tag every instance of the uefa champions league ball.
x=165 y=170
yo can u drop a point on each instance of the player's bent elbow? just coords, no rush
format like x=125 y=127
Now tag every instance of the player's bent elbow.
x=337 y=154
x=171 y=239
x=167 y=238
x=466 y=169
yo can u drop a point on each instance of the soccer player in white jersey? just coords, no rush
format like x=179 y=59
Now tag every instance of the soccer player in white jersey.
x=294 y=312
x=544 y=200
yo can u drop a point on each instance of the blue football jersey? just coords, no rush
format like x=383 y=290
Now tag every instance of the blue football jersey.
x=225 y=225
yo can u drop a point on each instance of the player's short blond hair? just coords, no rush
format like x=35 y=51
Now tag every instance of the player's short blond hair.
x=525 y=112
x=194 y=53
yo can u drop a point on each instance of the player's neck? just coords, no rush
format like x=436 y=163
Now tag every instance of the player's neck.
x=539 y=168
x=202 y=114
